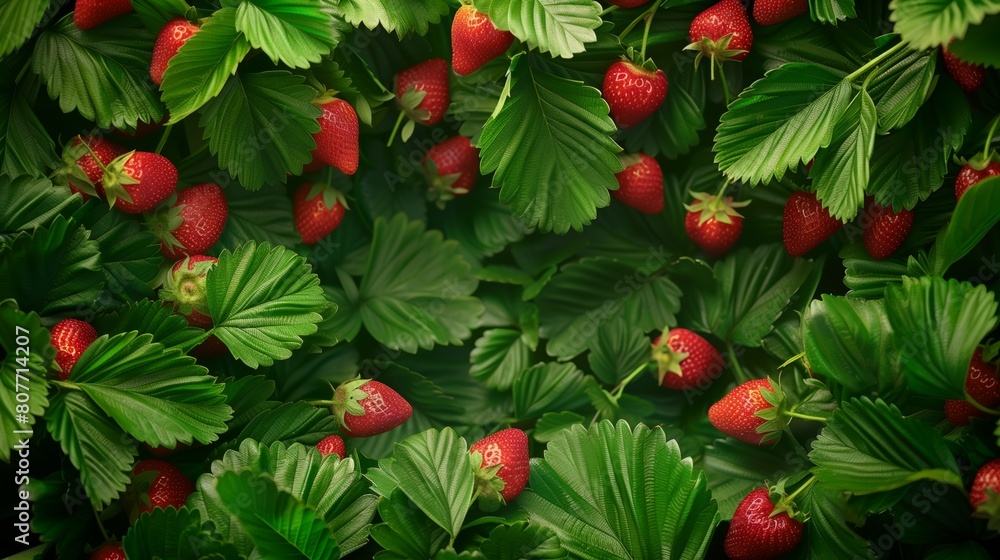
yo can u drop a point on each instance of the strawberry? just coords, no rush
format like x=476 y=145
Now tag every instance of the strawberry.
x=88 y=14
x=80 y=171
x=108 y=551
x=713 y=223
x=368 y=408
x=884 y=229
x=633 y=92
x=806 y=223
x=750 y=412
x=501 y=465
x=331 y=445
x=982 y=384
x=136 y=182
x=192 y=223
x=770 y=12
x=170 y=40
x=70 y=337
x=721 y=32
x=318 y=211
x=475 y=40
x=984 y=496
x=422 y=94
x=184 y=288
x=685 y=360
x=640 y=184
x=628 y=3
x=337 y=139
x=756 y=534
x=157 y=484
x=451 y=167
x=972 y=173
x=970 y=77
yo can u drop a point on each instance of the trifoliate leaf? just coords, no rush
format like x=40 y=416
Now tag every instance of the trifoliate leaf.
x=556 y=173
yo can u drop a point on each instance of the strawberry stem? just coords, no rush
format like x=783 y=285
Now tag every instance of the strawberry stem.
x=163 y=138
x=989 y=138
x=875 y=61
x=395 y=129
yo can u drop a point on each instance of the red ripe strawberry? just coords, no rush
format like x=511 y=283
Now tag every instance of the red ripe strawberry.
x=163 y=486
x=982 y=384
x=80 y=171
x=368 y=408
x=754 y=534
x=170 y=40
x=628 y=3
x=739 y=413
x=108 y=551
x=806 y=223
x=640 y=185
x=452 y=167
x=331 y=445
x=475 y=40
x=70 y=337
x=88 y=14
x=422 y=91
x=318 y=211
x=721 y=32
x=713 y=223
x=770 y=12
x=972 y=173
x=184 y=288
x=337 y=139
x=685 y=360
x=136 y=182
x=504 y=457
x=193 y=223
x=884 y=229
x=633 y=93
x=969 y=76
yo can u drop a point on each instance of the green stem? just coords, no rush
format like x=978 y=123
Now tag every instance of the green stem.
x=741 y=376
x=794 y=414
x=812 y=480
x=395 y=128
x=628 y=379
x=989 y=138
x=875 y=61
x=163 y=138
x=607 y=11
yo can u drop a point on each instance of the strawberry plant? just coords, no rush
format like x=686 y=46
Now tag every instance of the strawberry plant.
x=500 y=279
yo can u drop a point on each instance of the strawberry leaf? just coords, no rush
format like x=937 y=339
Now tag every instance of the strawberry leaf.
x=54 y=269
x=938 y=323
x=22 y=374
x=263 y=301
x=840 y=171
x=780 y=122
x=559 y=27
x=617 y=492
x=416 y=289
x=929 y=23
x=556 y=174
x=25 y=146
x=868 y=447
x=156 y=393
x=831 y=11
x=94 y=443
x=910 y=163
x=200 y=69
x=268 y=115
x=400 y=16
x=432 y=469
x=294 y=32
x=975 y=215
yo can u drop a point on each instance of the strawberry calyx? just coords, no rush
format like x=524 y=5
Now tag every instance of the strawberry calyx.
x=347 y=398
x=989 y=509
x=668 y=361
x=708 y=206
x=487 y=484
x=115 y=179
x=185 y=287
x=717 y=51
